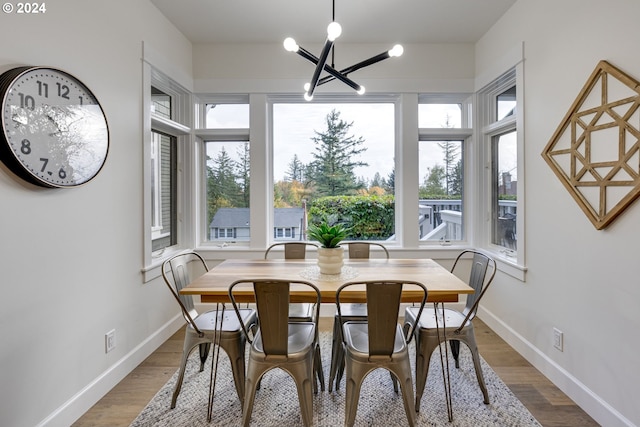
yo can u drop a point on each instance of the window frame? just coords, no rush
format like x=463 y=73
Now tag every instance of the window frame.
x=394 y=99
x=464 y=134
x=512 y=262
x=178 y=128
x=204 y=135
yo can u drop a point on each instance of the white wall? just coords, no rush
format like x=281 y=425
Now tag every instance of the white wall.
x=580 y=280
x=71 y=259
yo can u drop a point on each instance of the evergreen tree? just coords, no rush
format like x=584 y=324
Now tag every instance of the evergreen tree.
x=451 y=154
x=456 y=180
x=295 y=171
x=333 y=164
x=222 y=184
x=390 y=183
x=377 y=181
x=432 y=185
x=243 y=175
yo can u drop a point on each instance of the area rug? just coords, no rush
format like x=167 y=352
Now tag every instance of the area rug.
x=276 y=402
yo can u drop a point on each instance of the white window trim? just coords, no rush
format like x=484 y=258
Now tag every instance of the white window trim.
x=512 y=264
x=464 y=134
x=203 y=134
x=395 y=99
x=182 y=109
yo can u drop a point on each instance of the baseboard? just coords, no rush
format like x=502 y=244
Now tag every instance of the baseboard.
x=591 y=403
x=82 y=401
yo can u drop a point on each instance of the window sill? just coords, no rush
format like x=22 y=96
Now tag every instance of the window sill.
x=509 y=265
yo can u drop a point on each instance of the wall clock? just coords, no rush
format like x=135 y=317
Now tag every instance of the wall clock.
x=54 y=131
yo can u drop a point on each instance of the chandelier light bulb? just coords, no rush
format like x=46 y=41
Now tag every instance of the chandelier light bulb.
x=333 y=31
x=360 y=91
x=307 y=86
x=290 y=45
x=397 y=50
x=307 y=97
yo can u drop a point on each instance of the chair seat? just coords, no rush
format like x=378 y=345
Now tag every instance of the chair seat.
x=356 y=335
x=452 y=318
x=301 y=337
x=301 y=311
x=207 y=321
x=350 y=310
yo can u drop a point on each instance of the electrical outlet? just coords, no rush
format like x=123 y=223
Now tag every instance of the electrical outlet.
x=558 y=340
x=110 y=340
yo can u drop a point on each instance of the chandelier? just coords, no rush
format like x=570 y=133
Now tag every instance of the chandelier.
x=333 y=32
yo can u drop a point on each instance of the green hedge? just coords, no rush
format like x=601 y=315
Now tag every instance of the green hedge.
x=368 y=217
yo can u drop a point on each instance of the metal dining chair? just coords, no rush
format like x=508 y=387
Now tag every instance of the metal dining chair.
x=302 y=312
x=279 y=342
x=378 y=342
x=212 y=327
x=350 y=311
x=437 y=325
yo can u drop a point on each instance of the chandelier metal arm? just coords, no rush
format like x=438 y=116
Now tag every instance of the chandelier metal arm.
x=333 y=31
x=322 y=60
x=329 y=69
x=380 y=57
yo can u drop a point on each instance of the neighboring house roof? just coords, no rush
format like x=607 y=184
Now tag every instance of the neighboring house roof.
x=287 y=217
x=239 y=217
x=230 y=218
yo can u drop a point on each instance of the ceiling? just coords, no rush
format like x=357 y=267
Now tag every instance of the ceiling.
x=363 y=21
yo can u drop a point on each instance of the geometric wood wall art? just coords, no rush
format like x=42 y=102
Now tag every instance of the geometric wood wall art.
x=595 y=151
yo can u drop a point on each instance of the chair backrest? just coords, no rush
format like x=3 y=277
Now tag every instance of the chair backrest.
x=292 y=250
x=483 y=269
x=383 y=299
x=272 y=303
x=361 y=250
x=176 y=274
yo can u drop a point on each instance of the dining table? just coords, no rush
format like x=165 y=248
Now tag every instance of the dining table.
x=442 y=285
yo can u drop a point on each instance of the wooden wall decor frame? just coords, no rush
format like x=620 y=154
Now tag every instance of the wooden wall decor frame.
x=595 y=151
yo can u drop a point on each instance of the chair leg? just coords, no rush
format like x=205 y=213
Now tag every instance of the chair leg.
x=300 y=373
x=235 y=351
x=336 y=353
x=470 y=341
x=340 y=367
x=402 y=374
x=455 y=351
x=355 y=376
x=255 y=371
x=187 y=347
x=204 y=353
x=317 y=369
x=424 y=349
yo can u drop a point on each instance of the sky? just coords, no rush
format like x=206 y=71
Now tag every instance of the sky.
x=296 y=123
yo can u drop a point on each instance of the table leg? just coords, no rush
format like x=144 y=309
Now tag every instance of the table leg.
x=444 y=361
x=215 y=357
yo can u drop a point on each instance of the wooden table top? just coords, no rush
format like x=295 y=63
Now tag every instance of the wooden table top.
x=442 y=286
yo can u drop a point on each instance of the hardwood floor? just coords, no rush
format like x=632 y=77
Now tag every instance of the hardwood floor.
x=545 y=401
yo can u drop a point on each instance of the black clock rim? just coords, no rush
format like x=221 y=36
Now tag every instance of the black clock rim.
x=8 y=156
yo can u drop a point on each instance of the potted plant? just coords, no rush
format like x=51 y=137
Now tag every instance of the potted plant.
x=330 y=253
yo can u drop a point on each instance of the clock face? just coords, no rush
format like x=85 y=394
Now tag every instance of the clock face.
x=54 y=130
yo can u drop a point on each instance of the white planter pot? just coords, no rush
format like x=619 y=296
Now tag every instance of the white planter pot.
x=330 y=260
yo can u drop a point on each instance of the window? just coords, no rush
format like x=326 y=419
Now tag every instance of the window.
x=444 y=129
x=166 y=113
x=334 y=160
x=228 y=190
x=438 y=115
x=226 y=116
x=163 y=190
x=227 y=167
x=503 y=148
x=440 y=190
x=504 y=187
